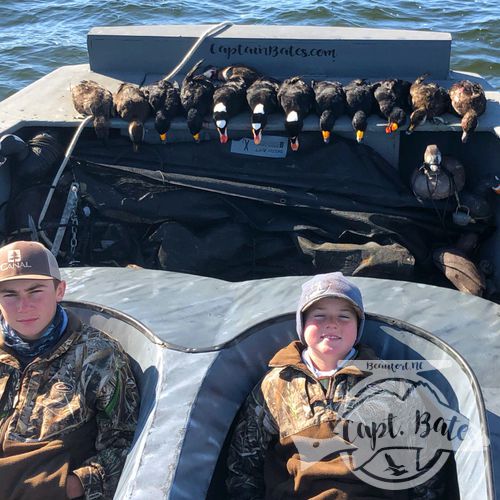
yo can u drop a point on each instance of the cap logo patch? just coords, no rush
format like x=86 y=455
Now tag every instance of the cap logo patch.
x=13 y=256
x=14 y=261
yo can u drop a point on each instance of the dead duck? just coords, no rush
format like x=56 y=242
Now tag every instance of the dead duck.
x=439 y=177
x=262 y=97
x=228 y=101
x=392 y=98
x=428 y=101
x=360 y=102
x=164 y=98
x=296 y=98
x=132 y=105
x=330 y=105
x=249 y=75
x=196 y=98
x=91 y=99
x=469 y=101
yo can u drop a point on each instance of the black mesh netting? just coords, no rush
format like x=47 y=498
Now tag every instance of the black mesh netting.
x=199 y=208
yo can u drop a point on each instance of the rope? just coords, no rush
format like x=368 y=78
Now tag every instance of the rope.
x=211 y=31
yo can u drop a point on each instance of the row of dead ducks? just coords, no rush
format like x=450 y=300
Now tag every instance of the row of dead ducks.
x=226 y=92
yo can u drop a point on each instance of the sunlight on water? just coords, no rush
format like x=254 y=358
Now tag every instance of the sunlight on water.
x=37 y=37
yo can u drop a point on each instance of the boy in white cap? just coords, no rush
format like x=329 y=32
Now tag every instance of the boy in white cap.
x=68 y=399
x=300 y=401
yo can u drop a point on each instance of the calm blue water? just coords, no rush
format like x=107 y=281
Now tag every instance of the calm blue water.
x=38 y=36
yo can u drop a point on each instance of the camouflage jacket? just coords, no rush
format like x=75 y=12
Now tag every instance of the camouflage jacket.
x=289 y=410
x=72 y=410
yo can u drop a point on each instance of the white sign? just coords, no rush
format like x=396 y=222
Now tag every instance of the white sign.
x=270 y=146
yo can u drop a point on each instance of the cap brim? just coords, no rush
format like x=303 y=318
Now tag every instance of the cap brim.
x=29 y=277
x=359 y=312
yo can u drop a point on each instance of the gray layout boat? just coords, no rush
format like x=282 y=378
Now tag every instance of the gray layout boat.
x=201 y=327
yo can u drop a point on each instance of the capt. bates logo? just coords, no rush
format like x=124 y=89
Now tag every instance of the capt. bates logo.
x=395 y=429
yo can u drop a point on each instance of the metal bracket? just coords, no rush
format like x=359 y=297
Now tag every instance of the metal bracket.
x=71 y=203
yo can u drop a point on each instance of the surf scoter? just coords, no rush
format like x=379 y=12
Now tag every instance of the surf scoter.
x=360 y=103
x=262 y=97
x=428 y=101
x=296 y=98
x=91 y=99
x=132 y=105
x=196 y=99
x=228 y=100
x=164 y=98
x=330 y=104
x=469 y=101
x=392 y=98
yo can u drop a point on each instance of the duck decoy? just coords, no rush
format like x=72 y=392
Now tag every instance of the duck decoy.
x=228 y=100
x=360 y=103
x=460 y=270
x=132 y=106
x=296 y=98
x=439 y=177
x=330 y=105
x=262 y=97
x=165 y=100
x=196 y=98
x=428 y=101
x=469 y=101
x=91 y=99
x=392 y=97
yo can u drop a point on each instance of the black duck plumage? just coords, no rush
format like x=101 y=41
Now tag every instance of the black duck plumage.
x=132 y=105
x=262 y=97
x=296 y=98
x=360 y=103
x=228 y=101
x=392 y=98
x=196 y=98
x=235 y=71
x=91 y=99
x=468 y=100
x=164 y=98
x=428 y=101
x=330 y=105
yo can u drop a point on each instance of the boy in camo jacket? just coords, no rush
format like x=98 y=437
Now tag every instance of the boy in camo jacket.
x=300 y=401
x=68 y=399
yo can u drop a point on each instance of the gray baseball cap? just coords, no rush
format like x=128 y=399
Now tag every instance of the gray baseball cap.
x=329 y=285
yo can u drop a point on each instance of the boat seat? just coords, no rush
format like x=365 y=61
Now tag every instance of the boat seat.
x=245 y=362
x=144 y=351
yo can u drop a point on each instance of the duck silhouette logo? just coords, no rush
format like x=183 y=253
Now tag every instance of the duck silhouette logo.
x=394 y=431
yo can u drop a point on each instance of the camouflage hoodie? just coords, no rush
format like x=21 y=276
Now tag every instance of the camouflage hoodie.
x=289 y=408
x=71 y=411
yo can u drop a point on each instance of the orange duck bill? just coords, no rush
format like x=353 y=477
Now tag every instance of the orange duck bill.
x=326 y=136
x=294 y=143
x=391 y=127
x=257 y=136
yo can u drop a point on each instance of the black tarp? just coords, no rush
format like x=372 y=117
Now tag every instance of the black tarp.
x=199 y=208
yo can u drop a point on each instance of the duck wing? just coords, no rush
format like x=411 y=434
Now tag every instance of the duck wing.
x=232 y=72
x=91 y=99
x=359 y=97
x=264 y=91
x=296 y=95
x=131 y=103
x=232 y=95
x=466 y=95
x=330 y=96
